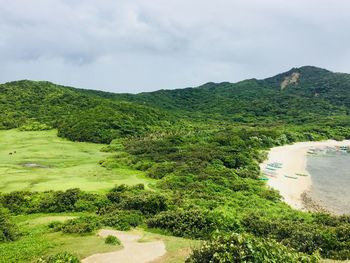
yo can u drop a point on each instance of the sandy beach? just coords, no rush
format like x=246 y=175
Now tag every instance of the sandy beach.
x=294 y=160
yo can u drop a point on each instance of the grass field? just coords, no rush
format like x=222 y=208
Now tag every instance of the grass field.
x=37 y=241
x=39 y=161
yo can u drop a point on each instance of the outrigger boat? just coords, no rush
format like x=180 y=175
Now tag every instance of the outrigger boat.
x=291 y=177
x=275 y=165
x=301 y=174
x=271 y=168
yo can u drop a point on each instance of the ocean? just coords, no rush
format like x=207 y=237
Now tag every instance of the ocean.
x=330 y=175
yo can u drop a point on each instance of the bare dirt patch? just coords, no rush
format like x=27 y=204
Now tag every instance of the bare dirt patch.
x=133 y=251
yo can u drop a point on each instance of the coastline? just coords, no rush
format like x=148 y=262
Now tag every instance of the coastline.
x=294 y=161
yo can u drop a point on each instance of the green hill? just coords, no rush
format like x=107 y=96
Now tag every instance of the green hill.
x=313 y=93
x=78 y=115
x=306 y=95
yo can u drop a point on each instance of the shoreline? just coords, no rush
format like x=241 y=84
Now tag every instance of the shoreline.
x=293 y=159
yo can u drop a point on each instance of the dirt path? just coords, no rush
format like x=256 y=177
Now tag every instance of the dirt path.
x=133 y=251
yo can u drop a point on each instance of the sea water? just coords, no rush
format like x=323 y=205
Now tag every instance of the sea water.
x=330 y=175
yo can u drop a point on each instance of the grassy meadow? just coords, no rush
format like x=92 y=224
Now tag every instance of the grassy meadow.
x=38 y=241
x=39 y=161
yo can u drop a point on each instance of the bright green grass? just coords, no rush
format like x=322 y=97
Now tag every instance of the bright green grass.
x=66 y=164
x=37 y=241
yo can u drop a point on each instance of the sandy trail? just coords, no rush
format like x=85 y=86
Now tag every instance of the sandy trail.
x=133 y=251
x=293 y=158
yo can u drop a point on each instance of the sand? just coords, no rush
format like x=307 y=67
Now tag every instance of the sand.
x=133 y=251
x=294 y=160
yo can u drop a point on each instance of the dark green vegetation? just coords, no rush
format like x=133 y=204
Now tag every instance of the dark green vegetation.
x=203 y=146
x=78 y=116
x=60 y=257
x=245 y=248
x=112 y=240
x=8 y=231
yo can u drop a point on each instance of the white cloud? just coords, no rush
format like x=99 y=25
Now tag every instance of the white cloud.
x=139 y=45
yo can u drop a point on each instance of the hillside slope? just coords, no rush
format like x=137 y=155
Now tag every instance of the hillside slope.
x=314 y=92
x=78 y=116
x=302 y=95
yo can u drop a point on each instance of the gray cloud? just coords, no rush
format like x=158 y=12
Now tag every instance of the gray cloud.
x=142 y=45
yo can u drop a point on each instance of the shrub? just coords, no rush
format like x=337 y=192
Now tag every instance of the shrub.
x=148 y=203
x=112 y=240
x=61 y=201
x=35 y=126
x=18 y=202
x=307 y=237
x=55 y=225
x=81 y=225
x=187 y=223
x=122 y=220
x=245 y=248
x=8 y=231
x=159 y=170
x=62 y=257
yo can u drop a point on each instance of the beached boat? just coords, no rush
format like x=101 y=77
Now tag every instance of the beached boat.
x=275 y=165
x=271 y=168
x=298 y=174
x=291 y=177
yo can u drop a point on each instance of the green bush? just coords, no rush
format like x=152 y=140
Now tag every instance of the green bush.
x=80 y=225
x=35 y=126
x=186 y=223
x=71 y=200
x=19 y=202
x=62 y=257
x=112 y=240
x=245 y=248
x=330 y=238
x=61 y=201
x=8 y=230
x=148 y=203
x=122 y=220
x=159 y=170
x=55 y=226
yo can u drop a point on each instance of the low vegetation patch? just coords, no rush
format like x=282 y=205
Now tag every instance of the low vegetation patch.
x=63 y=257
x=246 y=248
x=8 y=230
x=112 y=240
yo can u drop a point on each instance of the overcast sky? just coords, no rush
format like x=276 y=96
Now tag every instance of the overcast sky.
x=144 y=45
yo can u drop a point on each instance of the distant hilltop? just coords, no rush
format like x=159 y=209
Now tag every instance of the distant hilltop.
x=301 y=95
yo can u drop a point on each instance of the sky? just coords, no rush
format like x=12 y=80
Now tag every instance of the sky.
x=145 y=45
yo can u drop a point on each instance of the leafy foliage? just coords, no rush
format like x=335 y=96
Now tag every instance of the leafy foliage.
x=112 y=240
x=245 y=248
x=8 y=231
x=80 y=225
x=78 y=115
x=63 y=257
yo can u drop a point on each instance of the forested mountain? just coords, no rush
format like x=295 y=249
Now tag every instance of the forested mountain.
x=299 y=94
x=302 y=95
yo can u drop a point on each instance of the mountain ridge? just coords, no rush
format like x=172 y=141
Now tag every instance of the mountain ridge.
x=313 y=95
